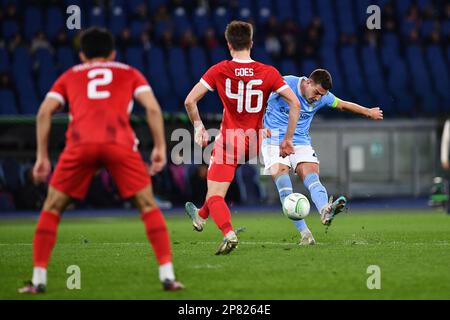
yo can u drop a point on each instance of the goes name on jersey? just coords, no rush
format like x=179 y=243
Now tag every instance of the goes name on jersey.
x=244 y=72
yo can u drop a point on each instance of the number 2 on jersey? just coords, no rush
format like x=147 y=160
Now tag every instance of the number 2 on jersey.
x=106 y=78
x=239 y=96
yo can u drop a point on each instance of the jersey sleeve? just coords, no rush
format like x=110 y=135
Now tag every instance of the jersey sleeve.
x=330 y=100
x=59 y=89
x=209 y=78
x=140 y=84
x=279 y=84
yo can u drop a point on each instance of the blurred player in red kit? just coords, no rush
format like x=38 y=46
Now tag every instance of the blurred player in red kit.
x=100 y=95
x=244 y=85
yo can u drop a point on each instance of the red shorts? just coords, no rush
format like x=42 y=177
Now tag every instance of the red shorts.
x=77 y=165
x=225 y=160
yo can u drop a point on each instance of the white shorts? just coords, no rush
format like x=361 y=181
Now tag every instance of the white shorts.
x=271 y=156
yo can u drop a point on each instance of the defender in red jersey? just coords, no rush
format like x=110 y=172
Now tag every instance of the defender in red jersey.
x=244 y=86
x=100 y=96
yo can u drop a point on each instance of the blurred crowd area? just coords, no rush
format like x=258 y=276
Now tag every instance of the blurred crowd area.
x=175 y=185
x=404 y=67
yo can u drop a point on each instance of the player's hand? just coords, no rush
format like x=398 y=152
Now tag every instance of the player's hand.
x=201 y=136
x=375 y=114
x=41 y=170
x=446 y=165
x=158 y=160
x=266 y=133
x=286 y=148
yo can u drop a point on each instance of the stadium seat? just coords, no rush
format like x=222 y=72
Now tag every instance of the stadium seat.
x=375 y=81
x=4 y=60
x=345 y=17
x=390 y=50
x=132 y=5
x=181 y=21
x=179 y=73
x=21 y=60
x=221 y=17
x=288 y=67
x=65 y=57
x=264 y=11
x=200 y=21
x=305 y=13
x=308 y=66
x=402 y=7
x=44 y=60
x=438 y=67
x=32 y=22
x=153 y=5
x=218 y=54
x=10 y=28
x=117 y=21
x=354 y=76
x=421 y=79
x=158 y=79
x=260 y=54
x=284 y=10
x=134 y=56
x=398 y=83
x=136 y=28
x=55 y=21
x=198 y=63
x=329 y=60
x=96 y=17
x=327 y=16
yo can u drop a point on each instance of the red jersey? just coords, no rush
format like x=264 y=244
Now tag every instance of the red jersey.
x=100 y=97
x=244 y=87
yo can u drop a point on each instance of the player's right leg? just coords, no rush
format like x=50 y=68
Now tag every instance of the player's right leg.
x=45 y=239
x=309 y=173
x=278 y=167
x=158 y=236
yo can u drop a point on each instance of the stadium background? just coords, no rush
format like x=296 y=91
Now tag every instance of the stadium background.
x=403 y=68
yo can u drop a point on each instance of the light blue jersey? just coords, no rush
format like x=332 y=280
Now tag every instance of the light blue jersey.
x=277 y=114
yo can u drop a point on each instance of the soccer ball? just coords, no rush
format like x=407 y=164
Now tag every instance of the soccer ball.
x=296 y=206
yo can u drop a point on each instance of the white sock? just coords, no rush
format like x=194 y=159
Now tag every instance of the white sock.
x=39 y=276
x=305 y=231
x=230 y=234
x=166 y=272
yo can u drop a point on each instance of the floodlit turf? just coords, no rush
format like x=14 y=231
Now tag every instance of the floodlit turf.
x=412 y=249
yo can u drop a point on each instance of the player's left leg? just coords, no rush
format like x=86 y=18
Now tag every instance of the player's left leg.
x=45 y=239
x=133 y=181
x=158 y=235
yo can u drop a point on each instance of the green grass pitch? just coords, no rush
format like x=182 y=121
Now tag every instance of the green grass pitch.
x=412 y=249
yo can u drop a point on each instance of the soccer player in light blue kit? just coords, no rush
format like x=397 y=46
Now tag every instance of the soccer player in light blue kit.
x=314 y=94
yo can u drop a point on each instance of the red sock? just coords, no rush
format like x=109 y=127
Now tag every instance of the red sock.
x=220 y=213
x=44 y=238
x=157 y=234
x=204 y=211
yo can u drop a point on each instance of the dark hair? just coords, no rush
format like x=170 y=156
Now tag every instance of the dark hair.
x=96 y=43
x=239 y=34
x=322 y=77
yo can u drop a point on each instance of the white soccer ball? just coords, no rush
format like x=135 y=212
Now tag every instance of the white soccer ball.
x=296 y=206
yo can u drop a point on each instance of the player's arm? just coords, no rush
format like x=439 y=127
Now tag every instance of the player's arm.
x=156 y=124
x=287 y=146
x=371 y=113
x=196 y=94
x=445 y=145
x=42 y=167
